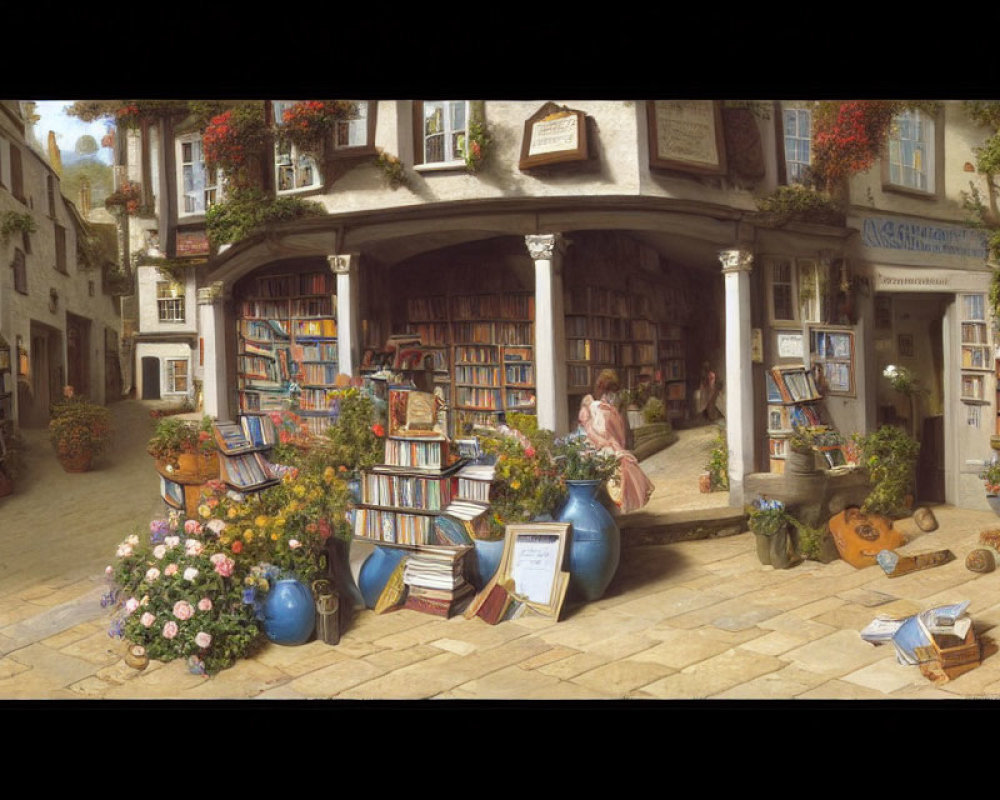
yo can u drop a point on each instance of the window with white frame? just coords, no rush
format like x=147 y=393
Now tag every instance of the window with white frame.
x=798 y=141
x=353 y=130
x=169 y=301
x=177 y=375
x=293 y=171
x=795 y=289
x=911 y=151
x=445 y=129
x=199 y=187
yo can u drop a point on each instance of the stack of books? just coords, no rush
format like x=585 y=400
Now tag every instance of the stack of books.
x=242 y=462
x=435 y=580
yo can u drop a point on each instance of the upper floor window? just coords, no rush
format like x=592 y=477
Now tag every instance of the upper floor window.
x=16 y=178
x=444 y=128
x=4 y=162
x=798 y=140
x=293 y=171
x=169 y=301
x=199 y=187
x=50 y=192
x=795 y=290
x=911 y=151
x=356 y=129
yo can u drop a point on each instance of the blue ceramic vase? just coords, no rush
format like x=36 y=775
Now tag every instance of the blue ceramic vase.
x=486 y=561
x=289 y=612
x=376 y=570
x=595 y=541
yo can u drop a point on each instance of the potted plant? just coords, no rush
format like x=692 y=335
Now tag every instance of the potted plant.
x=769 y=522
x=717 y=468
x=11 y=463
x=79 y=431
x=185 y=450
x=595 y=542
x=991 y=478
x=890 y=457
x=356 y=441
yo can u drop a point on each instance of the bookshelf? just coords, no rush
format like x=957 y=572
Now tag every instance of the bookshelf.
x=638 y=354
x=977 y=359
x=287 y=333
x=596 y=323
x=242 y=447
x=672 y=370
x=482 y=350
x=792 y=401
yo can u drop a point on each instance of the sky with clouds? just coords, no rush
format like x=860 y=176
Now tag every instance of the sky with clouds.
x=68 y=129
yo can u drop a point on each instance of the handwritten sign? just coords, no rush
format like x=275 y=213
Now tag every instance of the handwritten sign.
x=552 y=135
x=534 y=565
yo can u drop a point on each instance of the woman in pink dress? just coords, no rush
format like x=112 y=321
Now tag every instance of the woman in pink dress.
x=606 y=430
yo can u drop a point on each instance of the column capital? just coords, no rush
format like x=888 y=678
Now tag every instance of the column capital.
x=343 y=264
x=545 y=245
x=211 y=294
x=736 y=260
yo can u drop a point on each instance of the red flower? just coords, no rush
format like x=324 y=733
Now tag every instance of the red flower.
x=237 y=546
x=378 y=430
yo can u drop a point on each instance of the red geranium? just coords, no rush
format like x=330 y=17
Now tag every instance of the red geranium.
x=378 y=430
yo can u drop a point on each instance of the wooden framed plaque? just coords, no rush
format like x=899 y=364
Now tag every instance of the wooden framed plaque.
x=686 y=135
x=554 y=134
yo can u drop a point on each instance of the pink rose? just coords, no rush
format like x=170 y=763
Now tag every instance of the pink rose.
x=147 y=620
x=192 y=527
x=172 y=541
x=159 y=551
x=294 y=544
x=170 y=630
x=190 y=574
x=183 y=610
x=193 y=547
x=216 y=526
x=152 y=574
x=223 y=565
x=171 y=569
x=205 y=604
x=131 y=605
x=124 y=550
x=202 y=639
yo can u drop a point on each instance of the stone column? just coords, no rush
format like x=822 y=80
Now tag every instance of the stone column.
x=345 y=267
x=550 y=332
x=736 y=265
x=211 y=326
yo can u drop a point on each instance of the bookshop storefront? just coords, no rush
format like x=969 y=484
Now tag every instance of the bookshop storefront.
x=929 y=289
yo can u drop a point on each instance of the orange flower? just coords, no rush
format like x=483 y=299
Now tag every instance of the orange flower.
x=237 y=546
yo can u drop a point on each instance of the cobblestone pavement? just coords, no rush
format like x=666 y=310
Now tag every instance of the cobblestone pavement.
x=696 y=619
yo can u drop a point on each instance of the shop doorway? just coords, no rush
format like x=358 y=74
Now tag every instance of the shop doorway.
x=150 y=378
x=909 y=332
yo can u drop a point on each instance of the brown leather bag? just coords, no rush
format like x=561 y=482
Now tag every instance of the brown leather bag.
x=861 y=537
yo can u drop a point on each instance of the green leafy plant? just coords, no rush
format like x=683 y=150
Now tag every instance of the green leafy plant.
x=802 y=439
x=767 y=517
x=810 y=539
x=475 y=148
x=718 y=462
x=654 y=411
x=173 y=436
x=801 y=203
x=247 y=211
x=78 y=426
x=395 y=172
x=578 y=460
x=991 y=477
x=12 y=462
x=890 y=457
x=12 y=222
x=357 y=440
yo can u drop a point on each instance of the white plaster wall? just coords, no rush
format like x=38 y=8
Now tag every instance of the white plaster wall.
x=164 y=351
x=149 y=322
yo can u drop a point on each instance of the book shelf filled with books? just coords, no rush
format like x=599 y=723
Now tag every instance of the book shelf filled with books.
x=596 y=322
x=286 y=338
x=793 y=401
x=406 y=503
x=243 y=445
x=481 y=347
x=672 y=370
x=638 y=349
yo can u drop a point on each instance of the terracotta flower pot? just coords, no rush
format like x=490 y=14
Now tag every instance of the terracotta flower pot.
x=77 y=462
x=196 y=467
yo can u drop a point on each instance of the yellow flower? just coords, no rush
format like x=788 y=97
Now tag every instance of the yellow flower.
x=204 y=510
x=299 y=490
x=274 y=536
x=292 y=507
x=328 y=474
x=515 y=484
x=261 y=521
x=279 y=521
x=248 y=535
x=231 y=513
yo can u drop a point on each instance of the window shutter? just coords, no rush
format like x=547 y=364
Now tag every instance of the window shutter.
x=16 y=181
x=418 y=131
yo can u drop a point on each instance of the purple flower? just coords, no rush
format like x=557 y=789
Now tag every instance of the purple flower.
x=157 y=530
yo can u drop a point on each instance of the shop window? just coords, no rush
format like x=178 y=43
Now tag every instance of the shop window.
x=442 y=131
x=293 y=171
x=798 y=141
x=199 y=188
x=20 y=272
x=796 y=290
x=169 y=301
x=177 y=375
x=910 y=162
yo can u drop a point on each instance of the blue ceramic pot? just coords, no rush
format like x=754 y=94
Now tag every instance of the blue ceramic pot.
x=595 y=541
x=376 y=570
x=289 y=612
x=485 y=562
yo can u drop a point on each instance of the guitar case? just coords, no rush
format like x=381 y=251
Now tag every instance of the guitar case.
x=861 y=537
